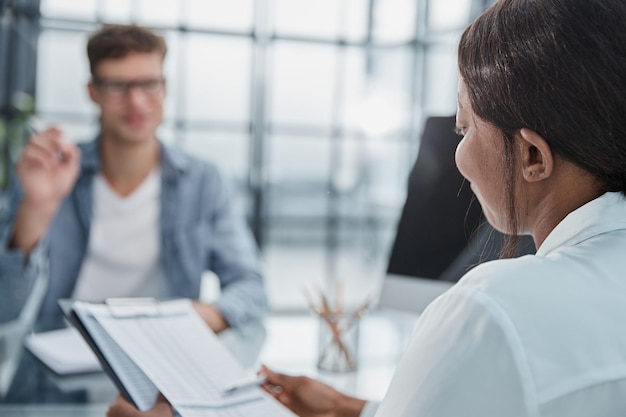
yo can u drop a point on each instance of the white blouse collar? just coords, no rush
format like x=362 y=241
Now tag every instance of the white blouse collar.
x=605 y=213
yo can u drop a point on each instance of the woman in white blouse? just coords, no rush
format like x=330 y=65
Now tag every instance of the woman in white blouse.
x=542 y=115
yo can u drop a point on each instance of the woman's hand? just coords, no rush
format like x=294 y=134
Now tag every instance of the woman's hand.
x=310 y=398
x=122 y=408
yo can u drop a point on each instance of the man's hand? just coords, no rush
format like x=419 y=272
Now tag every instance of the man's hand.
x=310 y=398
x=47 y=171
x=48 y=167
x=211 y=316
x=122 y=408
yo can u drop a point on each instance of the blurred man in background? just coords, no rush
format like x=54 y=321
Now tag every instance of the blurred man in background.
x=124 y=215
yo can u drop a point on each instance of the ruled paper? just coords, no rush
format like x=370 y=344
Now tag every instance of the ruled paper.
x=185 y=361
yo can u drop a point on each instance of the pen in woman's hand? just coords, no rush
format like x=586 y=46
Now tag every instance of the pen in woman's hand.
x=246 y=383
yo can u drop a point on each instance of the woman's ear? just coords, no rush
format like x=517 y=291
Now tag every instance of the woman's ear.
x=537 y=158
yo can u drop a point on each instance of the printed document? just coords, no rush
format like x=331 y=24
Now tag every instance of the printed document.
x=171 y=350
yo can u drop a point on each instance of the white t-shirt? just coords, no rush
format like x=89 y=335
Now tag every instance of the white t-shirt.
x=122 y=258
x=541 y=335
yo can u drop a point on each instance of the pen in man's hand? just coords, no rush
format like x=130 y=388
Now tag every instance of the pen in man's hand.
x=246 y=383
x=36 y=126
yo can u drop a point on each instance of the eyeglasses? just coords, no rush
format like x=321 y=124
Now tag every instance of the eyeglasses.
x=113 y=89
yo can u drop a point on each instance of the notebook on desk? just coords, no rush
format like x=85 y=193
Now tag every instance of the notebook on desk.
x=63 y=351
x=151 y=347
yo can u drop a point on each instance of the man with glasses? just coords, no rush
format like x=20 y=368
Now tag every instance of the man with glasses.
x=125 y=215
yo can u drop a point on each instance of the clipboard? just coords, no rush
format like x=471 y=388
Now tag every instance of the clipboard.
x=74 y=319
x=148 y=346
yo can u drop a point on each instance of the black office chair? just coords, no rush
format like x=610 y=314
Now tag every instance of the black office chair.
x=442 y=232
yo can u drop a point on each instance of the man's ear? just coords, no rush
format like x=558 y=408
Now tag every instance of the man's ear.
x=93 y=93
x=537 y=158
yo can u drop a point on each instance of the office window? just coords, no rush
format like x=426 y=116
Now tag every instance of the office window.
x=298 y=159
x=352 y=87
x=440 y=93
x=156 y=12
x=385 y=97
x=115 y=11
x=312 y=19
x=394 y=21
x=354 y=26
x=62 y=83
x=69 y=9
x=312 y=109
x=303 y=83
x=448 y=14
x=387 y=169
x=298 y=172
x=216 y=75
x=351 y=165
x=229 y=151
x=232 y=15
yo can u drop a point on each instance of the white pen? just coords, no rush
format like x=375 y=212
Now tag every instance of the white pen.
x=246 y=383
x=36 y=126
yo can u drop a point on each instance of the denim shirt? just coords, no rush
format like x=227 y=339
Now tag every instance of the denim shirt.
x=199 y=231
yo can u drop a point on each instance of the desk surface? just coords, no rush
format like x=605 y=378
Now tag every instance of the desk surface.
x=287 y=343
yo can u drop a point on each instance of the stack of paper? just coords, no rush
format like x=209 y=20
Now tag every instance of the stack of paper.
x=63 y=351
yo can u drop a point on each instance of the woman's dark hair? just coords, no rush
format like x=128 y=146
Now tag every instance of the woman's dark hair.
x=557 y=67
x=117 y=41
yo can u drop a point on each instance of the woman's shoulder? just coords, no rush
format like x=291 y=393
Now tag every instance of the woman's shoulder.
x=505 y=272
x=512 y=287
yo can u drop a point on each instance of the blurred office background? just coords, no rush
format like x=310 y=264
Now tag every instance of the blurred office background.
x=311 y=108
